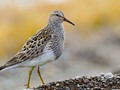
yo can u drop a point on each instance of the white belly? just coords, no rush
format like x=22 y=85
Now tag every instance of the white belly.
x=39 y=61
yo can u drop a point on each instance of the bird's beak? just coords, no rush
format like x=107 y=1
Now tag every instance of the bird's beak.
x=65 y=19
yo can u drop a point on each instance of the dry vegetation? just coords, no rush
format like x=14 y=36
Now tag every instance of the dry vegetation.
x=18 y=22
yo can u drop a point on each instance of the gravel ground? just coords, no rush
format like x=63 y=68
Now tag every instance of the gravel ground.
x=103 y=82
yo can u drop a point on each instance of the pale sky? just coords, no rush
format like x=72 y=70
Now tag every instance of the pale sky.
x=29 y=3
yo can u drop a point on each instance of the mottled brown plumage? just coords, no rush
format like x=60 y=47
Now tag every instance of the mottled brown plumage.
x=33 y=47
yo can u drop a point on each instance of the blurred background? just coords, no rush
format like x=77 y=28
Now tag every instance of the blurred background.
x=91 y=47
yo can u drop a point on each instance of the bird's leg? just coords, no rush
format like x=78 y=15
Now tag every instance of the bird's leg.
x=30 y=73
x=38 y=71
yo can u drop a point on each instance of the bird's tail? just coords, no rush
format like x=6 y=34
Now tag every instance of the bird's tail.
x=2 y=67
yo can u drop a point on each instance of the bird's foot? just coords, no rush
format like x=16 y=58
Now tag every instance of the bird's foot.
x=27 y=85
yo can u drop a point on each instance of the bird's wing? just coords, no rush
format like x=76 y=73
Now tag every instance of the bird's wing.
x=32 y=48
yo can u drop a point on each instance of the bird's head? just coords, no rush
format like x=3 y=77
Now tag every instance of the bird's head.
x=58 y=16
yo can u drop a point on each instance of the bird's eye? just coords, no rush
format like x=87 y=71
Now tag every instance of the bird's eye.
x=57 y=15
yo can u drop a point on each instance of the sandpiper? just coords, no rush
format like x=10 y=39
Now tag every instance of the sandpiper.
x=43 y=47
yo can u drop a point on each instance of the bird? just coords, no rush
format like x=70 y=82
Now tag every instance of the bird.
x=43 y=47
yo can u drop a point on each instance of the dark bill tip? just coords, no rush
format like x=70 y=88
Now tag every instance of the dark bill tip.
x=65 y=19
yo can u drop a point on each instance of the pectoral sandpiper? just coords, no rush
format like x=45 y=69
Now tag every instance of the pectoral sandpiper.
x=43 y=47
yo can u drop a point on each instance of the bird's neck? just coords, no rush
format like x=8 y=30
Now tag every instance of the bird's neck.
x=58 y=28
x=55 y=25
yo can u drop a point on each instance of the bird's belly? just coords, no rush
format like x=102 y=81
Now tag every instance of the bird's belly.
x=40 y=60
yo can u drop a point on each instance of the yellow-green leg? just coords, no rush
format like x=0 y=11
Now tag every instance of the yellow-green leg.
x=38 y=71
x=29 y=76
